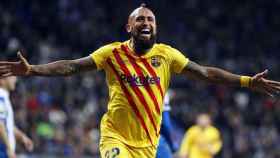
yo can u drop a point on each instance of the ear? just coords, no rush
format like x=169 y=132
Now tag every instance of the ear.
x=128 y=28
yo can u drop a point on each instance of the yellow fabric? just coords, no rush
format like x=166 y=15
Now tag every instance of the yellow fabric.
x=121 y=121
x=199 y=143
x=245 y=81
x=113 y=148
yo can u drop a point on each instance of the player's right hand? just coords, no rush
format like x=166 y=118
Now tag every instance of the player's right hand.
x=28 y=143
x=19 y=68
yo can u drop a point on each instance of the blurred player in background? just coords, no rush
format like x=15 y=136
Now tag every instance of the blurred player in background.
x=138 y=73
x=166 y=145
x=9 y=133
x=201 y=140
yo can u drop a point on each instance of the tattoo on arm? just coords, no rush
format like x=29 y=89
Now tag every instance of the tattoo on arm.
x=195 y=71
x=211 y=74
x=63 y=67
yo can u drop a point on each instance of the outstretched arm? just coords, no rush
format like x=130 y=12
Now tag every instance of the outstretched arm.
x=57 y=68
x=210 y=74
x=220 y=76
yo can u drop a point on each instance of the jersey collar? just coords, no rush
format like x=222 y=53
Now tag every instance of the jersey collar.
x=132 y=52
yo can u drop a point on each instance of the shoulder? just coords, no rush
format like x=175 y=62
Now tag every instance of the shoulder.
x=169 y=50
x=114 y=44
x=106 y=50
x=100 y=55
x=164 y=47
x=193 y=129
x=110 y=46
x=214 y=130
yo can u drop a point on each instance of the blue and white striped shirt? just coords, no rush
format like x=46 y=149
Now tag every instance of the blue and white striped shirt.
x=7 y=117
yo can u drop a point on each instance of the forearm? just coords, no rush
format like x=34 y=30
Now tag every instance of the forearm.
x=211 y=74
x=24 y=139
x=19 y=134
x=219 y=76
x=58 y=68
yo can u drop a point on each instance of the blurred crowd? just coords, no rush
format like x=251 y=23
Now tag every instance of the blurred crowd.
x=62 y=114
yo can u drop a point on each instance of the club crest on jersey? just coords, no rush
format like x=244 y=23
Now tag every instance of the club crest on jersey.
x=155 y=61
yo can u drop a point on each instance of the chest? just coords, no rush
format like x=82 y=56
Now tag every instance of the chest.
x=150 y=66
x=204 y=137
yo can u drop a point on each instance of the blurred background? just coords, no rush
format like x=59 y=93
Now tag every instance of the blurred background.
x=62 y=114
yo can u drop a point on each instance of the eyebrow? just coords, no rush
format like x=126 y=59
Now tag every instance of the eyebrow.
x=140 y=16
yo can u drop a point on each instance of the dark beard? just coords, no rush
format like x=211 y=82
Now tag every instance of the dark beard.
x=141 y=46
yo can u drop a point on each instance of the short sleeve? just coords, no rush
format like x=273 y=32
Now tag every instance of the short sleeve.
x=100 y=55
x=178 y=60
x=3 y=110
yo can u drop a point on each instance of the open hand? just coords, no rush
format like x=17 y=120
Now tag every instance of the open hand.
x=19 y=68
x=269 y=87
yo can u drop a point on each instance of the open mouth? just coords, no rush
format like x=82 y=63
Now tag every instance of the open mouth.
x=145 y=31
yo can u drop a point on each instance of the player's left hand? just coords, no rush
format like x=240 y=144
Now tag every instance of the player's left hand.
x=269 y=87
x=19 y=68
x=28 y=143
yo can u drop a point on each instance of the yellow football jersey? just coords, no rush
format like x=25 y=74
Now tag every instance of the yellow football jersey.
x=200 y=143
x=137 y=85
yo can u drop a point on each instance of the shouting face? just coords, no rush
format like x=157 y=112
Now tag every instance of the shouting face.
x=142 y=28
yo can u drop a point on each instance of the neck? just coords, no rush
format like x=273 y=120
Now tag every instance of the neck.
x=137 y=47
x=203 y=127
